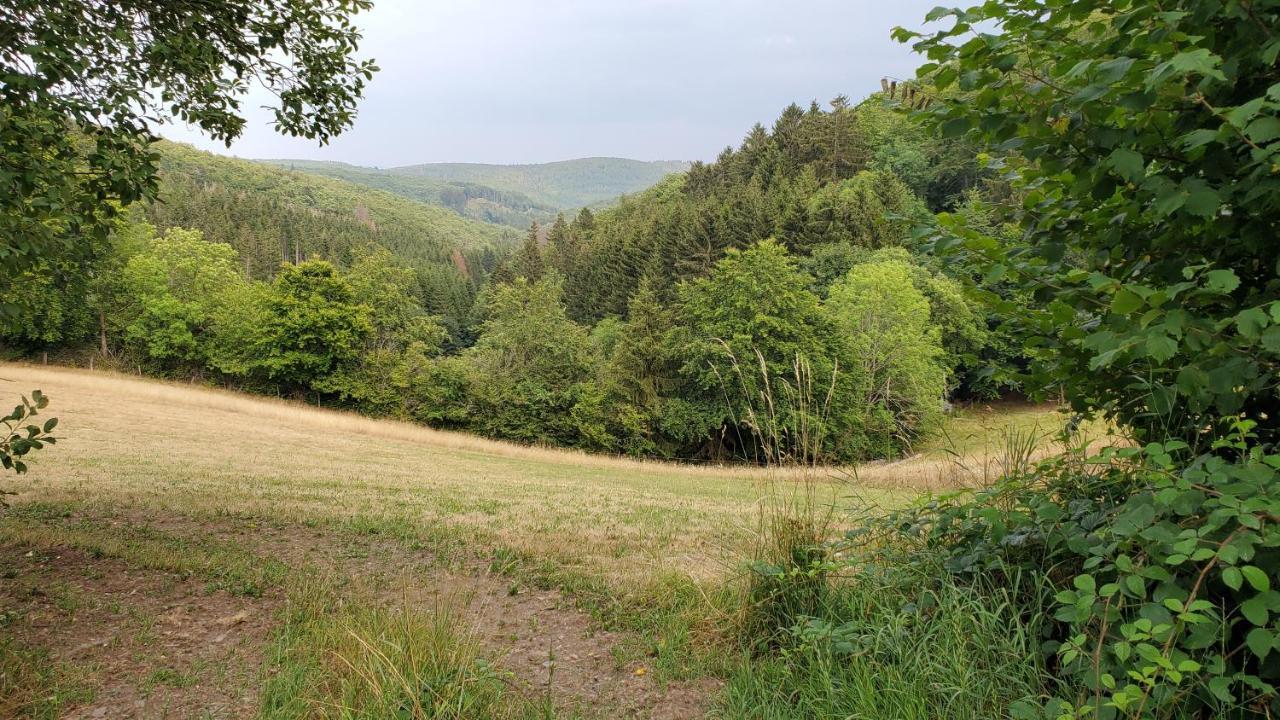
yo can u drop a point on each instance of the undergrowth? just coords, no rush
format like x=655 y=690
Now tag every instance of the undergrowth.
x=837 y=618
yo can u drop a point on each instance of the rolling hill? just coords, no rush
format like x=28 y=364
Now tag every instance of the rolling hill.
x=272 y=214
x=511 y=195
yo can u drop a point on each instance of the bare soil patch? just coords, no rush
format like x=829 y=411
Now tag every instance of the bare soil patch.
x=547 y=644
x=209 y=646
x=151 y=645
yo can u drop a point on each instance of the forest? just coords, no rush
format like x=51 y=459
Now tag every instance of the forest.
x=651 y=329
x=1075 y=203
x=514 y=195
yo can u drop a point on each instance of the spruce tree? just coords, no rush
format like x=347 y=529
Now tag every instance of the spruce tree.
x=527 y=262
x=562 y=250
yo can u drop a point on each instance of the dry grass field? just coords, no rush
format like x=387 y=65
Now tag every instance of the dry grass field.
x=170 y=514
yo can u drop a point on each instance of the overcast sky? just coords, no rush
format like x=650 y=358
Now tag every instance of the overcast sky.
x=519 y=81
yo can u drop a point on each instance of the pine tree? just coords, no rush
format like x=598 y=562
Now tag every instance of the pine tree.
x=562 y=247
x=527 y=262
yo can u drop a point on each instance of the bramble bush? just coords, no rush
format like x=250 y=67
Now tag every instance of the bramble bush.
x=1142 y=145
x=1164 y=565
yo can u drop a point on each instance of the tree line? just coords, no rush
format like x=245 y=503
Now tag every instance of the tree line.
x=713 y=316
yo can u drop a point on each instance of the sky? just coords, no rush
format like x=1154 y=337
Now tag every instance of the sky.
x=524 y=81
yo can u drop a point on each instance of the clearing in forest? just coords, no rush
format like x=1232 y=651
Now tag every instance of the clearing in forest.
x=185 y=550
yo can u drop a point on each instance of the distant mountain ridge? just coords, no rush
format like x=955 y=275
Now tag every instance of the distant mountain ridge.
x=512 y=195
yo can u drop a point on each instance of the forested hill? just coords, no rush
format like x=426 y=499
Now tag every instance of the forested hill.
x=829 y=185
x=654 y=328
x=468 y=199
x=509 y=194
x=272 y=215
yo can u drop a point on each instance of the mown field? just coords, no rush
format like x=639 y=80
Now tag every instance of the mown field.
x=187 y=552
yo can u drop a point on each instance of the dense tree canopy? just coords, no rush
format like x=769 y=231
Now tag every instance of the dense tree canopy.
x=85 y=80
x=695 y=320
x=1147 y=144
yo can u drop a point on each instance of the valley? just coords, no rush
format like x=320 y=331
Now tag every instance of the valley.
x=562 y=567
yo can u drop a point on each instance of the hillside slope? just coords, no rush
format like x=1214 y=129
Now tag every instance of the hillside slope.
x=512 y=195
x=567 y=184
x=272 y=215
x=471 y=200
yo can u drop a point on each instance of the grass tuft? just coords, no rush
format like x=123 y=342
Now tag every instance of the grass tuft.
x=338 y=658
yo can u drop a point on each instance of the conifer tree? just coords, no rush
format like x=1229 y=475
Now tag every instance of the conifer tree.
x=527 y=262
x=562 y=247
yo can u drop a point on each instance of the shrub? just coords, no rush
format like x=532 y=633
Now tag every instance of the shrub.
x=1164 y=568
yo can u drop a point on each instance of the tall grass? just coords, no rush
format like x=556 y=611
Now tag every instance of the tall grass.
x=836 y=624
x=363 y=660
x=891 y=644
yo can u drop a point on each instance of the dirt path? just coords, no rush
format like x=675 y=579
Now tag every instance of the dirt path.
x=163 y=646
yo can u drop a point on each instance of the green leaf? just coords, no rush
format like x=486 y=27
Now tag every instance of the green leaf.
x=1112 y=70
x=1271 y=339
x=1198 y=138
x=1255 y=611
x=1232 y=578
x=1263 y=130
x=1256 y=577
x=1203 y=202
x=1260 y=641
x=1125 y=302
x=1127 y=164
x=1251 y=322
x=1161 y=347
x=1169 y=200
x=1222 y=281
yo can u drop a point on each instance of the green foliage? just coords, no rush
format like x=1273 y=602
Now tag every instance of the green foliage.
x=272 y=216
x=315 y=328
x=870 y=210
x=1138 y=140
x=531 y=370
x=84 y=81
x=527 y=261
x=640 y=375
x=1165 y=566
x=893 y=643
x=391 y=292
x=171 y=291
x=809 y=182
x=1148 y=168
x=893 y=378
x=681 y=334
x=403 y=336
x=50 y=295
x=744 y=326
x=17 y=439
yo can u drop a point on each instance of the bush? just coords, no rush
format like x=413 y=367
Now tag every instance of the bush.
x=1164 y=569
x=872 y=625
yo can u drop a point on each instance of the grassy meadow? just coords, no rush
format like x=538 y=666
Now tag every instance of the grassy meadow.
x=361 y=568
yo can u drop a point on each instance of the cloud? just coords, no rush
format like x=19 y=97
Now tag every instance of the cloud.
x=521 y=81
